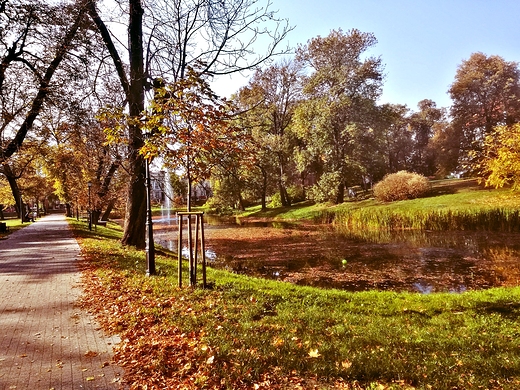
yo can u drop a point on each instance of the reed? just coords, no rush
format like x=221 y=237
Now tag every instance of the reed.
x=493 y=219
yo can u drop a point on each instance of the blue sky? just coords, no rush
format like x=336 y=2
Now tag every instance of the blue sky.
x=421 y=42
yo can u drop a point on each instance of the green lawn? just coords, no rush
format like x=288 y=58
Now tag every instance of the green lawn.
x=13 y=225
x=247 y=333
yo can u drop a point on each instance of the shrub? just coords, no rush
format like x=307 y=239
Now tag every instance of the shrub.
x=296 y=193
x=401 y=186
x=326 y=189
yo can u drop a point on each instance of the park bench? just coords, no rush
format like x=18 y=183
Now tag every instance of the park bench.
x=3 y=227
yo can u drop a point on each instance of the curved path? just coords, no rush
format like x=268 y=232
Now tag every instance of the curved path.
x=46 y=342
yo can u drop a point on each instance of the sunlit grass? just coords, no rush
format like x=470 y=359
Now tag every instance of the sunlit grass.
x=13 y=225
x=452 y=205
x=245 y=332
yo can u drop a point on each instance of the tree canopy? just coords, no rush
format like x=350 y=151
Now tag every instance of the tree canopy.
x=339 y=103
x=485 y=94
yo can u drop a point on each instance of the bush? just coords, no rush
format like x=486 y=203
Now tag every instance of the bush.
x=401 y=186
x=326 y=189
x=276 y=200
x=296 y=193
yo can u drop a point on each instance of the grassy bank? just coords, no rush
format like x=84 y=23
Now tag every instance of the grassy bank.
x=246 y=333
x=451 y=205
x=13 y=224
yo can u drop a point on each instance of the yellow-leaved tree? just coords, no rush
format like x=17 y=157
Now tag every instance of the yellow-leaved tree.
x=501 y=164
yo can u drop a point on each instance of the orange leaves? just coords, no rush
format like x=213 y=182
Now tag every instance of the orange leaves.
x=189 y=126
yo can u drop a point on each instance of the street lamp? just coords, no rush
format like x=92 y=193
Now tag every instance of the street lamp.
x=149 y=248
x=89 y=184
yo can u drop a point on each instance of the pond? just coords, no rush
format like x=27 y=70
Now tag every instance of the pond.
x=322 y=256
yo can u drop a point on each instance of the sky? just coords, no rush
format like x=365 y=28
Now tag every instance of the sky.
x=421 y=42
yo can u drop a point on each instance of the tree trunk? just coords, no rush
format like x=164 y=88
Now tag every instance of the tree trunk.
x=68 y=210
x=341 y=193
x=15 y=190
x=284 y=198
x=264 y=188
x=241 y=205
x=135 y=216
x=95 y=216
x=110 y=207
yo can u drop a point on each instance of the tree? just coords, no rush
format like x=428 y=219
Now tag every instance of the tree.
x=485 y=94
x=30 y=32
x=190 y=128
x=268 y=103
x=217 y=37
x=397 y=138
x=340 y=105
x=423 y=125
x=76 y=153
x=25 y=176
x=501 y=163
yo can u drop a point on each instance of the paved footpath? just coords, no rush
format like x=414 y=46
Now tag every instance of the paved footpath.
x=46 y=341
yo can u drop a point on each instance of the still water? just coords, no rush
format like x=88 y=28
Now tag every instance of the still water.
x=322 y=256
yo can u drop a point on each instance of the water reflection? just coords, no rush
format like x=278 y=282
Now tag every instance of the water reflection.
x=417 y=261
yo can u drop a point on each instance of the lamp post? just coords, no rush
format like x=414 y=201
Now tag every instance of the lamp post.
x=89 y=184
x=149 y=248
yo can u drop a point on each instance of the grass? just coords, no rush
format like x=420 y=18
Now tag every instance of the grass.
x=13 y=224
x=451 y=205
x=247 y=333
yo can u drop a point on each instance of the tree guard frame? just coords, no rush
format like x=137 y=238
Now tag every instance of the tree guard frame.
x=192 y=246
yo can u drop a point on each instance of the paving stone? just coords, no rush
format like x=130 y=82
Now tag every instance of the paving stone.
x=46 y=340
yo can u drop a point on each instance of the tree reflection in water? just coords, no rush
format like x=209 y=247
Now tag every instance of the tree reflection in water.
x=313 y=255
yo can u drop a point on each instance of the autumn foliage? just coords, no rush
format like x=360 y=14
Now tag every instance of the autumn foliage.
x=501 y=164
x=401 y=186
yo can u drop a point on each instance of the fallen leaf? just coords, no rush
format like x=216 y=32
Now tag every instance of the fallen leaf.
x=210 y=360
x=313 y=353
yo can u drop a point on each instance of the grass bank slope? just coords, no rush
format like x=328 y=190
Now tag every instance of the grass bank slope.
x=451 y=205
x=246 y=333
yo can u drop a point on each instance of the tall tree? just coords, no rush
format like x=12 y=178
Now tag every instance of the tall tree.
x=216 y=37
x=268 y=103
x=35 y=45
x=397 y=138
x=423 y=125
x=340 y=105
x=485 y=94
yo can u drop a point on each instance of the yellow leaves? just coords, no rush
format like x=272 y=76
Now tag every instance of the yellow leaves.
x=313 y=353
x=278 y=342
x=501 y=164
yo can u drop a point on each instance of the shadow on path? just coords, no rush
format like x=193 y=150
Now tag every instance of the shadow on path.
x=45 y=340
